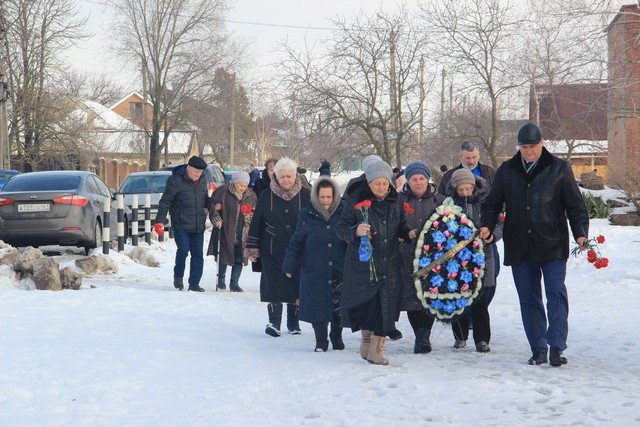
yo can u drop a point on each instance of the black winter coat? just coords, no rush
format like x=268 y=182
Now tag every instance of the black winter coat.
x=423 y=208
x=263 y=183
x=273 y=224
x=187 y=202
x=537 y=207
x=472 y=206
x=321 y=253
x=388 y=223
x=488 y=174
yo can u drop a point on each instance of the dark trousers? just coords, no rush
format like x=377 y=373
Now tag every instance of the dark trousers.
x=420 y=320
x=527 y=277
x=481 y=322
x=189 y=243
x=235 y=270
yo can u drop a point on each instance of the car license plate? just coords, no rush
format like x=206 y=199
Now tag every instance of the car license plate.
x=34 y=207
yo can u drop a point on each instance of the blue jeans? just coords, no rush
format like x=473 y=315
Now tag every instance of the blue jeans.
x=189 y=243
x=527 y=277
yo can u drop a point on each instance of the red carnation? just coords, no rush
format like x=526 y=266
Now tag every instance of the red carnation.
x=408 y=209
x=363 y=204
x=591 y=255
x=246 y=209
x=600 y=239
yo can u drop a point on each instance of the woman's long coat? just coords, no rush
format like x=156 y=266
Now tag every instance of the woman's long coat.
x=225 y=195
x=273 y=224
x=420 y=209
x=388 y=224
x=321 y=253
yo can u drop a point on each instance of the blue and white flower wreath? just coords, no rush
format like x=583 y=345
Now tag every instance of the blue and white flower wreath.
x=451 y=287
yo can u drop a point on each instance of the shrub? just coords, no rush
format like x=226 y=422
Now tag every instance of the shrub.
x=596 y=207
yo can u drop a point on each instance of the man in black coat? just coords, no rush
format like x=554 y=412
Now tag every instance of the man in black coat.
x=186 y=199
x=540 y=193
x=267 y=175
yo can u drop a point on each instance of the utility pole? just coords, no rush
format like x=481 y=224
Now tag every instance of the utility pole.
x=145 y=117
x=5 y=159
x=444 y=74
x=232 y=135
x=422 y=95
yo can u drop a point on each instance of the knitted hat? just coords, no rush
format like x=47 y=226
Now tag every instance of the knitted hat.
x=415 y=168
x=462 y=176
x=240 y=177
x=370 y=159
x=529 y=134
x=378 y=169
x=197 y=163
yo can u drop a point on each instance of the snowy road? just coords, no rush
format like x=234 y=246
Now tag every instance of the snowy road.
x=132 y=351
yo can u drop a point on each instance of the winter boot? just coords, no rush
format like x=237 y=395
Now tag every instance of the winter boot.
x=538 y=358
x=375 y=352
x=275 y=319
x=320 y=329
x=394 y=335
x=235 y=277
x=195 y=288
x=556 y=358
x=422 y=345
x=177 y=283
x=365 y=344
x=292 y=319
x=483 y=347
x=220 y=286
x=459 y=344
x=336 y=336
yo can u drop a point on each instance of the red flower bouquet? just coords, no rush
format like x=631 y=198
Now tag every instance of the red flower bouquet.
x=408 y=209
x=365 y=251
x=594 y=256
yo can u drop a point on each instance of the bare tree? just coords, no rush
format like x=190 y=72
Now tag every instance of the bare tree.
x=366 y=84
x=99 y=88
x=474 y=39
x=179 y=43
x=36 y=34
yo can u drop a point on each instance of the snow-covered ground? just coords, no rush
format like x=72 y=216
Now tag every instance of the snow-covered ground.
x=128 y=349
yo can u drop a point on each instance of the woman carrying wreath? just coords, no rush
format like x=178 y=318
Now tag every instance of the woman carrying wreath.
x=372 y=287
x=234 y=204
x=418 y=199
x=274 y=222
x=321 y=253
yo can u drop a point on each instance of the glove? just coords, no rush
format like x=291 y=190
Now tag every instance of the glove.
x=159 y=229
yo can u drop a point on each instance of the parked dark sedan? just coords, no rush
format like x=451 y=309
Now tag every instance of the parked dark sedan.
x=55 y=208
x=141 y=183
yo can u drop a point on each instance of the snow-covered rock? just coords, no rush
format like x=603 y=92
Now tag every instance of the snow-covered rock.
x=46 y=274
x=96 y=263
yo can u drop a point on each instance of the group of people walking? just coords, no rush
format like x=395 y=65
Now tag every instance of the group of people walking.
x=310 y=244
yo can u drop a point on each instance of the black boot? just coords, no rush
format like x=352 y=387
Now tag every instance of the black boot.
x=195 y=288
x=538 y=358
x=556 y=358
x=222 y=273
x=275 y=319
x=394 y=335
x=320 y=329
x=235 y=278
x=336 y=336
x=177 y=283
x=422 y=344
x=292 y=319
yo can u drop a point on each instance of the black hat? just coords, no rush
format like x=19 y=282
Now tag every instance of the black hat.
x=529 y=134
x=197 y=163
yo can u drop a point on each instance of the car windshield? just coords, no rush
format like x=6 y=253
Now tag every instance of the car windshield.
x=141 y=184
x=5 y=175
x=43 y=182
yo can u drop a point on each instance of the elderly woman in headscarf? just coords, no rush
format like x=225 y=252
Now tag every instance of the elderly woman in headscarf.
x=274 y=222
x=234 y=204
x=371 y=290
x=321 y=254
x=418 y=199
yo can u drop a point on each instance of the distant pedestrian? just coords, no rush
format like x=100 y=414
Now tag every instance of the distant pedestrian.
x=254 y=175
x=185 y=198
x=325 y=168
x=267 y=175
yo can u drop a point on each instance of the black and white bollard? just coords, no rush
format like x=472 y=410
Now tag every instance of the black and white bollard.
x=134 y=220
x=147 y=218
x=106 y=220
x=120 y=213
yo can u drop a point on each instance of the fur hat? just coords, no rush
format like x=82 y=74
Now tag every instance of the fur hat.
x=415 y=168
x=197 y=163
x=378 y=169
x=462 y=176
x=240 y=177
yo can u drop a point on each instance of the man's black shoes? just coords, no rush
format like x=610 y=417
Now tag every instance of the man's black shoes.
x=177 y=283
x=195 y=288
x=538 y=358
x=556 y=358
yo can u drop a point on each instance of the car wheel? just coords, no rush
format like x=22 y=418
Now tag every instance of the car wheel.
x=97 y=238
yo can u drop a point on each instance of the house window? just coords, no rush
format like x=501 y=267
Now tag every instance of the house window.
x=135 y=110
